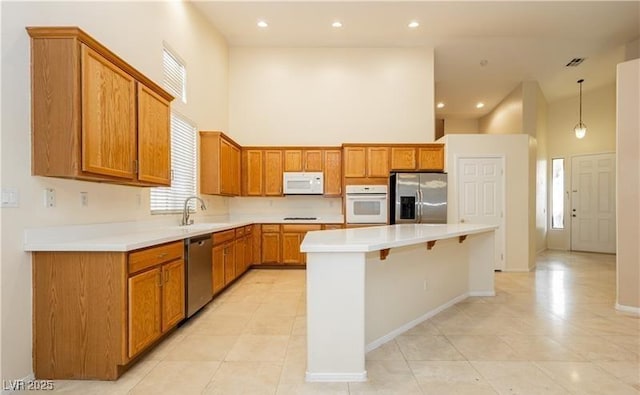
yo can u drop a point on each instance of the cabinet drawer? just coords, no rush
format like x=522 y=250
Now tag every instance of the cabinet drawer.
x=300 y=228
x=143 y=259
x=271 y=228
x=221 y=237
x=248 y=229
x=332 y=226
x=240 y=231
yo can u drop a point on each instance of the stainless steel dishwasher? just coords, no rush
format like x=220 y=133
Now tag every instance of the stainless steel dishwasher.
x=199 y=288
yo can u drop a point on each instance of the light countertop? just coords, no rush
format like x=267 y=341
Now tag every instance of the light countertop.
x=129 y=236
x=386 y=236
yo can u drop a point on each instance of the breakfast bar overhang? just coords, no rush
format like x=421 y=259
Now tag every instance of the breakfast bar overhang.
x=366 y=286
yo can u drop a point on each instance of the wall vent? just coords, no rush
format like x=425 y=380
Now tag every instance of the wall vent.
x=575 y=62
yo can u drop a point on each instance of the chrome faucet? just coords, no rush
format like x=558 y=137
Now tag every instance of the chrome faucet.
x=185 y=211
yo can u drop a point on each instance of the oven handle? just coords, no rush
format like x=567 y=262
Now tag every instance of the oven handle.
x=367 y=197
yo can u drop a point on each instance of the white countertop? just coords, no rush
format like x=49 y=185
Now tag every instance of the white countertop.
x=128 y=236
x=386 y=236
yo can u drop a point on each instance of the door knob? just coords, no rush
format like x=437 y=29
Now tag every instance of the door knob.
x=573 y=215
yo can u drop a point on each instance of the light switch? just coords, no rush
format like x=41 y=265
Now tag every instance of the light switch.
x=10 y=197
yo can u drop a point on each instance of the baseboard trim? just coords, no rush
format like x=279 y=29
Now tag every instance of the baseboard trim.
x=482 y=293
x=335 y=377
x=391 y=335
x=628 y=309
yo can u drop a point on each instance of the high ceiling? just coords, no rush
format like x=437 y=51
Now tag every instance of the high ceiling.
x=515 y=40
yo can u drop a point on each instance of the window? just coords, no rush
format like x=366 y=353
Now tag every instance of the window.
x=175 y=74
x=183 y=174
x=557 y=193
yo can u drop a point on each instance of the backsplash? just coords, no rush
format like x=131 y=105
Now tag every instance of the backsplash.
x=302 y=206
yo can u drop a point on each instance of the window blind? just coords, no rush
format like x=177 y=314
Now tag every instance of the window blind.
x=183 y=164
x=175 y=75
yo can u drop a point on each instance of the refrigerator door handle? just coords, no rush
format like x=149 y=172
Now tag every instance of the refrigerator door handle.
x=420 y=206
x=417 y=209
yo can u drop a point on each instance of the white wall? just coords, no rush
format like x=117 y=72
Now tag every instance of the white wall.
x=518 y=183
x=506 y=117
x=327 y=96
x=134 y=31
x=628 y=188
x=599 y=114
x=461 y=126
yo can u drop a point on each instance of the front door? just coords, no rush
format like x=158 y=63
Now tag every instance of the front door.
x=481 y=197
x=593 y=203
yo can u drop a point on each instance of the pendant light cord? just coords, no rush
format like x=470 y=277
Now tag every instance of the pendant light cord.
x=580 y=82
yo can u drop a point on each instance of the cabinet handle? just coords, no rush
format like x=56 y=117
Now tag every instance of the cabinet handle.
x=163 y=255
x=159 y=279
x=166 y=276
x=135 y=166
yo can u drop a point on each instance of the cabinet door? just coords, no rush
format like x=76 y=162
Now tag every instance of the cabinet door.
x=355 y=162
x=273 y=172
x=248 y=251
x=239 y=256
x=108 y=117
x=312 y=160
x=403 y=158
x=378 y=162
x=226 y=167
x=431 y=158
x=173 y=297
x=154 y=138
x=235 y=171
x=291 y=248
x=218 y=268
x=332 y=173
x=144 y=310
x=229 y=263
x=252 y=172
x=293 y=160
x=270 y=248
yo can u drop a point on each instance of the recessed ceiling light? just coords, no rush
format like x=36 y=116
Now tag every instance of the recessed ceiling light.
x=263 y=24
x=480 y=105
x=413 y=24
x=337 y=24
x=440 y=105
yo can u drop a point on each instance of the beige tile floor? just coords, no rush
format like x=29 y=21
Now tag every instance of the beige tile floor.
x=551 y=331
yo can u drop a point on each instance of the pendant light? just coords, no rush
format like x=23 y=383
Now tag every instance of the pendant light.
x=580 y=129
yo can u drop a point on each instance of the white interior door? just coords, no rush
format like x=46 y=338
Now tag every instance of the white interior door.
x=593 y=203
x=481 y=197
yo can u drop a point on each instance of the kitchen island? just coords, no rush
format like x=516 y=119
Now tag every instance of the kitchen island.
x=365 y=286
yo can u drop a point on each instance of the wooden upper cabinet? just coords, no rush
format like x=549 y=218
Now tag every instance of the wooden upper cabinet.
x=333 y=172
x=303 y=160
x=403 y=158
x=108 y=117
x=219 y=164
x=293 y=160
x=252 y=172
x=94 y=117
x=355 y=161
x=378 y=162
x=431 y=157
x=154 y=137
x=273 y=169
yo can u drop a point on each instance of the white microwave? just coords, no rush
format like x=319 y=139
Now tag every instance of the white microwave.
x=303 y=183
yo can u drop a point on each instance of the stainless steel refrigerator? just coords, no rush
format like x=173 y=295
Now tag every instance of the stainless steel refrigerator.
x=418 y=198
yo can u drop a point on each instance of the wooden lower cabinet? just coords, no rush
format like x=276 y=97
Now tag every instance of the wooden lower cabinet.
x=218 y=268
x=156 y=296
x=144 y=310
x=93 y=312
x=292 y=236
x=270 y=247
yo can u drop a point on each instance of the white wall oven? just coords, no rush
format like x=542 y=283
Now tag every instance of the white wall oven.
x=366 y=204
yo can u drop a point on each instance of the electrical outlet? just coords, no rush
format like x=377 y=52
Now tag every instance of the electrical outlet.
x=49 y=197
x=425 y=285
x=84 y=199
